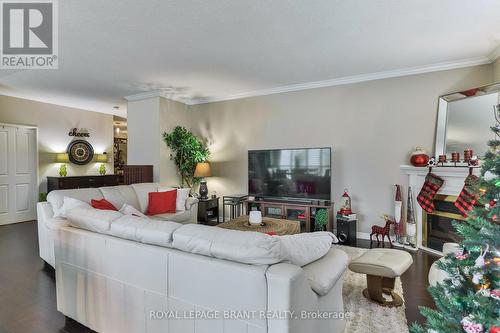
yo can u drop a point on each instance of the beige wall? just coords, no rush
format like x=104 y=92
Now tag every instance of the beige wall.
x=496 y=70
x=371 y=127
x=54 y=123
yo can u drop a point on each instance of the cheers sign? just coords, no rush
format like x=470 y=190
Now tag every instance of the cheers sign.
x=78 y=133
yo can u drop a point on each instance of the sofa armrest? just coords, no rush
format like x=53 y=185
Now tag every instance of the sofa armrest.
x=192 y=206
x=190 y=201
x=289 y=290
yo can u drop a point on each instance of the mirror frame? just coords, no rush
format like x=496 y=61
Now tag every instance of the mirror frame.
x=442 y=119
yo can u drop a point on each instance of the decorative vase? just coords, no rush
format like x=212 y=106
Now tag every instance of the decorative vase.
x=63 y=172
x=255 y=217
x=419 y=158
x=102 y=169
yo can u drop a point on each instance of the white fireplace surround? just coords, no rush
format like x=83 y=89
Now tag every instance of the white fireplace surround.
x=454 y=178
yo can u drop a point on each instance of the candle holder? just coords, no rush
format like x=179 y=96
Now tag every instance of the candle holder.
x=455 y=157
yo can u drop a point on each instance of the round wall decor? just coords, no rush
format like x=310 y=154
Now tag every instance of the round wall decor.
x=80 y=152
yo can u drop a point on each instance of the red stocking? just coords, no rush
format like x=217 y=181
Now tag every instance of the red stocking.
x=426 y=196
x=468 y=196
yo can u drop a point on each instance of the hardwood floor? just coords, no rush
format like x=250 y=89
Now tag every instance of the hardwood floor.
x=28 y=296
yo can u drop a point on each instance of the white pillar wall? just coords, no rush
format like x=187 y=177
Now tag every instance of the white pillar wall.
x=147 y=120
x=144 y=137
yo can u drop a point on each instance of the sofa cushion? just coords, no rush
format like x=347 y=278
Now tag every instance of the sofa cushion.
x=144 y=230
x=162 y=202
x=92 y=219
x=142 y=191
x=129 y=210
x=56 y=198
x=182 y=196
x=325 y=272
x=68 y=204
x=240 y=246
x=102 y=204
x=173 y=217
x=119 y=195
x=301 y=249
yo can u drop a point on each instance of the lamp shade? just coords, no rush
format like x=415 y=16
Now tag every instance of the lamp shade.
x=102 y=158
x=202 y=170
x=62 y=158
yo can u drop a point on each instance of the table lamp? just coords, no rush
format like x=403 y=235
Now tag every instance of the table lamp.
x=62 y=158
x=203 y=170
x=103 y=159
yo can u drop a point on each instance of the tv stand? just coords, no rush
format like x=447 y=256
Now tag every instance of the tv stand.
x=301 y=210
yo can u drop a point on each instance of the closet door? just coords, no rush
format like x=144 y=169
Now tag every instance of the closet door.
x=18 y=173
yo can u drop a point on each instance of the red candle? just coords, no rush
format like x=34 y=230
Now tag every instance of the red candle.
x=455 y=156
x=467 y=155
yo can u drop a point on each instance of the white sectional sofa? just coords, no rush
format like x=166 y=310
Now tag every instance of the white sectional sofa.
x=124 y=273
x=135 y=195
x=112 y=284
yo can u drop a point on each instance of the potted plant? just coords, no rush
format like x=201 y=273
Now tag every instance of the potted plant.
x=187 y=151
x=320 y=220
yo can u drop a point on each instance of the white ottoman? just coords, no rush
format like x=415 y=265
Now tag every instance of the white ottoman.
x=381 y=267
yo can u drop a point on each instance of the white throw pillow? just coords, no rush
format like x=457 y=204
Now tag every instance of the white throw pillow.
x=69 y=203
x=302 y=249
x=97 y=220
x=182 y=195
x=131 y=210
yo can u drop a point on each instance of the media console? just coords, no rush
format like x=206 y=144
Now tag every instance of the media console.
x=303 y=211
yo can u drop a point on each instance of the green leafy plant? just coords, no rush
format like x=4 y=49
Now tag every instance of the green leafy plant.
x=320 y=220
x=42 y=197
x=187 y=151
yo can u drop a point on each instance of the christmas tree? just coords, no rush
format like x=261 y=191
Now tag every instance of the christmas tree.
x=469 y=300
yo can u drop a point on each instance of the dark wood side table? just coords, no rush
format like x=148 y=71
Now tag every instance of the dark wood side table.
x=208 y=211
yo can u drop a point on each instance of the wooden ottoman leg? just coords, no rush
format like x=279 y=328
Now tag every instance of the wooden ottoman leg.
x=377 y=286
x=374 y=290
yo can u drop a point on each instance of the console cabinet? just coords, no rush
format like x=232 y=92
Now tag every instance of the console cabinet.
x=73 y=182
x=295 y=211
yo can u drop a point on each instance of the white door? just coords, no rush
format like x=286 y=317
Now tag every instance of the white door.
x=18 y=174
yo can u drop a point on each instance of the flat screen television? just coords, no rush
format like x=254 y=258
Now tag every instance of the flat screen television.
x=303 y=173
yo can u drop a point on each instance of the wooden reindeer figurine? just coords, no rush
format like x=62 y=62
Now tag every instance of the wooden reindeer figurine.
x=384 y=231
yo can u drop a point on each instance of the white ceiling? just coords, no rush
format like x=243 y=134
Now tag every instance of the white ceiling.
x=201 y=51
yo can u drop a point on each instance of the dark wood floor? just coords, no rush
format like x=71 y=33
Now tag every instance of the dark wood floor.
x=28 y=296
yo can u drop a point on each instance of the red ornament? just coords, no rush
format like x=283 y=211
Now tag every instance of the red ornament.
x=494 y=329
x=492 y=203
x=419 y=158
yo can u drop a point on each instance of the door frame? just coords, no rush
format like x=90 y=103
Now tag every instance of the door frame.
x=37 y=175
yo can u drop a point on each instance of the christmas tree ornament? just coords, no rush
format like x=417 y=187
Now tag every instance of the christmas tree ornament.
x=469 y=326
x=479 y=262
x=488 y=175
x=467 y=197
x=495 y=294
x=494 y=329
x=429 y=190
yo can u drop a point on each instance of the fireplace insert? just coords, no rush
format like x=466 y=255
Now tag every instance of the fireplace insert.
x=437 y=226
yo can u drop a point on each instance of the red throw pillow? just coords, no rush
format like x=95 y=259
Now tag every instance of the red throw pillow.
x=162 y=202
x=102 y=204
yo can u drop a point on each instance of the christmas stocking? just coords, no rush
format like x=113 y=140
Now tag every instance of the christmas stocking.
x=468 y=196
x=426 y=196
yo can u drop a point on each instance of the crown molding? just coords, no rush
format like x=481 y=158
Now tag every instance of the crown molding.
x=157 y=93
x=493 y=56
x=350 y=79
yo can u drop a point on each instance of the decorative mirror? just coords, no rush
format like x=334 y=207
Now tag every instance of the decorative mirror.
x=464 y=120
x=80 y=152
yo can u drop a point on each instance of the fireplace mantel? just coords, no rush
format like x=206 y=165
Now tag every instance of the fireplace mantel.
x=454 y=178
